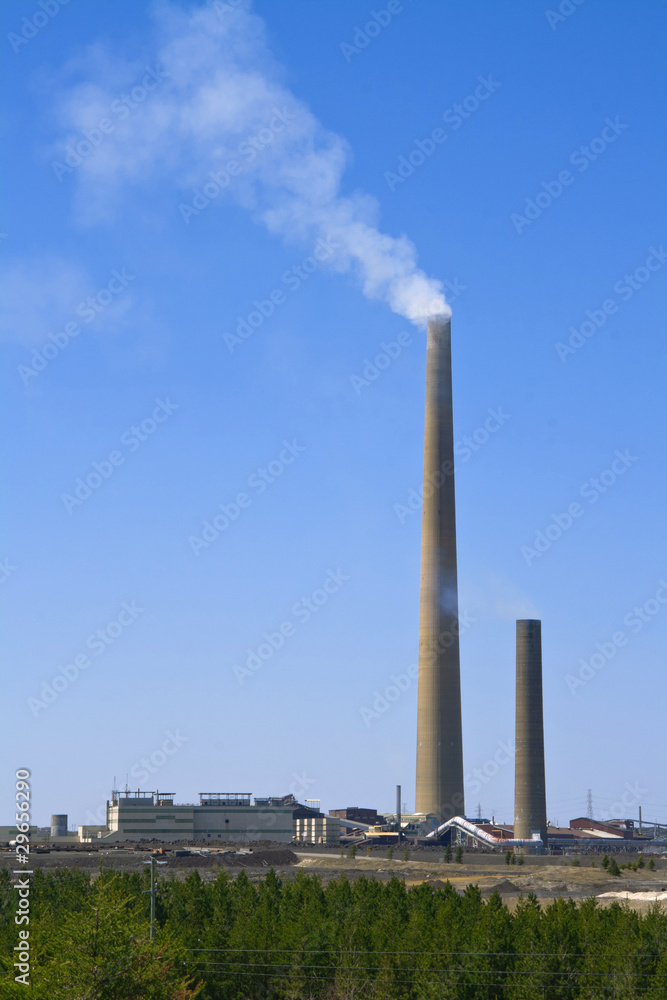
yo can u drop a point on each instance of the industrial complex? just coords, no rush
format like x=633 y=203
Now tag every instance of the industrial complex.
x=439 y=815
x=149 y=817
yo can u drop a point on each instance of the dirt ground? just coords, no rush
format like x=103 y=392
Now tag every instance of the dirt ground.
x=490 y=872
x=547 y=878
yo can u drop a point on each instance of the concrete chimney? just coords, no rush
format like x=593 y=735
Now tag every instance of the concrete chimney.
x=439 y=738
x=530 y=801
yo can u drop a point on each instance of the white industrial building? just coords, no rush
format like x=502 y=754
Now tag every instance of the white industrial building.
x=317 y=829
x=218 y=816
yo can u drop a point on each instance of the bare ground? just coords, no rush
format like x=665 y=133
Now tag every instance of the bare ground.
x=547 y=878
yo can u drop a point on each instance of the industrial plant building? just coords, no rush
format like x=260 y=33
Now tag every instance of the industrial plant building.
x=224 y=816
x=217 y=816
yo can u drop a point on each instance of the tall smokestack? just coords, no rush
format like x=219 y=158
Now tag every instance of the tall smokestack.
x=530 y=801
x=439 y=739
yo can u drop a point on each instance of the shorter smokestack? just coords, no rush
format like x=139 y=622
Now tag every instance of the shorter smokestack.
x=530 y=802
x=398 y=810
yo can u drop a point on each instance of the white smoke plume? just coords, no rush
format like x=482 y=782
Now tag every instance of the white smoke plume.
x=216 y=95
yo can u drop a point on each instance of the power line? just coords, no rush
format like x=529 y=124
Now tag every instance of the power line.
x=349 y=975
x=491 y=954
x=402 y=969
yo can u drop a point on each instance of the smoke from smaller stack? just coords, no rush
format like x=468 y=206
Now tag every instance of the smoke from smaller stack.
x=530 y=803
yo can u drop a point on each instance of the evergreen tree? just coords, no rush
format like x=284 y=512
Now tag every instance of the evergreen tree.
x=102 y=949
x=274 y=938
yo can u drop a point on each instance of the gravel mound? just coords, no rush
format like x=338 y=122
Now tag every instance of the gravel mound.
x=505 y=888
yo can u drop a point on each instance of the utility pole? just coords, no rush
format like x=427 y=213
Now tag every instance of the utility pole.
x=152 y=900
x=640 y=819
x=153 y=863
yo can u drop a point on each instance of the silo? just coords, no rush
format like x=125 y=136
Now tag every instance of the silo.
x=59 y=825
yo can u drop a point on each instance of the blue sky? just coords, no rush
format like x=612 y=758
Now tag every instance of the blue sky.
x=531 y=188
